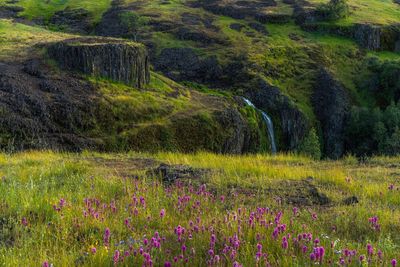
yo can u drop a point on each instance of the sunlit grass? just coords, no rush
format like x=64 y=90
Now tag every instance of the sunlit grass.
x=33 y=182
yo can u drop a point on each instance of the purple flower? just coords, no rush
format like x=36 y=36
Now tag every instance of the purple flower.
x=167 y=264
x=116 y=256
x=45 y=264
x=93 y=250
x=312 y=257
x=394 y=262
x=162 y=213
x=106 y=237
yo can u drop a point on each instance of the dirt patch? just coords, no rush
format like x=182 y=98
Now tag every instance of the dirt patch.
x=301 y=193
x=126 y=167
x=172 y=173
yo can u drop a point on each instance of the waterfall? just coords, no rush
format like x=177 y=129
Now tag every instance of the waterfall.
x=268 y=122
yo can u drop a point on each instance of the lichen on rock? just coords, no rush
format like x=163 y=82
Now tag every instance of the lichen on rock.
x=118 y=60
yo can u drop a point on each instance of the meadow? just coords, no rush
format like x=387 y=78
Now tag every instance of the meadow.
x=92 y=209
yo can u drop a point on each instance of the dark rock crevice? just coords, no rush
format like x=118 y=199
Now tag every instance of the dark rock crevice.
x=332 y=106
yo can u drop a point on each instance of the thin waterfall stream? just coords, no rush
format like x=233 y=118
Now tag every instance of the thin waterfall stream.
x=268 y=122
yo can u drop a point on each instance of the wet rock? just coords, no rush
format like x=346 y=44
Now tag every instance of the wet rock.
x=118 y=60
x=350 y=200
x=170 y=173
x=331 y=105
x=289 y=122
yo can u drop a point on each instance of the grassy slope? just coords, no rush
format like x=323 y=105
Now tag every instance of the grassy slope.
x=365 y=11
x=35 y=181
x=134 y=118
x=289 y=64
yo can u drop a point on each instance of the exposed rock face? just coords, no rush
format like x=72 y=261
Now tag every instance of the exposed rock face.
x=292 y=123
x=368 y=36
x=332 y=105
x=237 y=9
x=43 y=112
x=75 y=20
x=118 y=60
x=184 y=64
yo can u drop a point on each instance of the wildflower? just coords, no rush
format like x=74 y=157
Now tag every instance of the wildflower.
x=24 y=221
x=312 y=257
x=394 y=262
x=380 y=254
x=391 y=187
x=370 y=249
x=284 y=243
x=167 y=264
x=116 y=256
x=314 y=216
x=295 y=211
x=93 y=250
x=183 y=248
x=222 y=198
x=62 y=203
x=106 y=237
x=45 y=264
x=162 y=213
x=361 y=258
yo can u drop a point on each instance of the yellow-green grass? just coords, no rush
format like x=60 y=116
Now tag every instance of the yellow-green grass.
x=18 y=40
x=32 y=182
x=380 y=12
x=45 y=9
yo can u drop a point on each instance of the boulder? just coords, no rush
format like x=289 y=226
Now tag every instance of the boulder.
x=115 y=59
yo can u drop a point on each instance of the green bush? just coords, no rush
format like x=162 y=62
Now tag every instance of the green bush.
x=311 y=146
x=334 y=10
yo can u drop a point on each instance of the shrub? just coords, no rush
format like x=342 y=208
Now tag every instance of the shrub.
x=334 y=10
x=311 y=146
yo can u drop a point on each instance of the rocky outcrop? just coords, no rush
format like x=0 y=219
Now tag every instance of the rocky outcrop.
x=114 y=59
x=183 y=64
x=377 y=38
x=331 y=105
x=43 y=112
x=291 y=123
x=74 y=20
x=368 y=36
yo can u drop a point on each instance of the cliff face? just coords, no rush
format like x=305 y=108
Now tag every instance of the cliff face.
x=331 y=105
x=121 y=61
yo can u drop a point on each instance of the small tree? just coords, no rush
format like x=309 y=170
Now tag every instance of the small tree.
x=310 y=145
x=334 y=10
x=133 y=22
